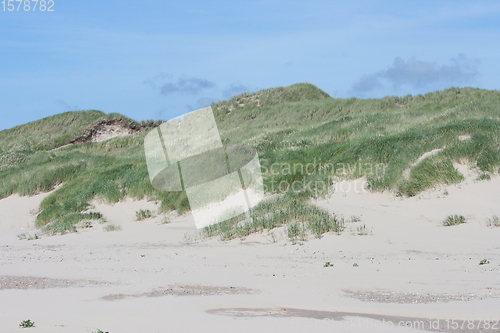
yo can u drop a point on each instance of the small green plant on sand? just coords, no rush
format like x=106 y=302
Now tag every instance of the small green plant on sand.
x=26 y=324
x=32 y=237
x=188 y=239
x=99 y=331
x=303 y=233
x=355 y=265
x=112 y=227
x=28 y=236
x=453 y=220
x=484 y=176
x=355 y=218
x=293 y=231
x=143 y=214
x=273 y=239
x=328 y=264
x=363 y=230
x=484 y=262
x=494 y=221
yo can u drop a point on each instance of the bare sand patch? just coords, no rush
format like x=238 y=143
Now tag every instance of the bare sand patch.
x=464 y=137
x=406 y=322
x=107 y=129
x=185 y=290
x=415 y=298
x=33 y=282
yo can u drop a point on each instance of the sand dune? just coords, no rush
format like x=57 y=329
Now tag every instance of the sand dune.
x=153 y=277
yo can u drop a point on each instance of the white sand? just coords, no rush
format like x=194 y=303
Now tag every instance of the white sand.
x=409 y=252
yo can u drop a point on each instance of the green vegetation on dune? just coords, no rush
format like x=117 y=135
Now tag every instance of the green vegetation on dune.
x=453 y=220
x=393 y=131
x=301 y=218
x=52 y=132
x=289 y=126
x=328 y=119
x=107 y=171
x=429 y=172
x=48 y=133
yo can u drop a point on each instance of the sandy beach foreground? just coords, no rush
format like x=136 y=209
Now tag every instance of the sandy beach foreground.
x=408 y=274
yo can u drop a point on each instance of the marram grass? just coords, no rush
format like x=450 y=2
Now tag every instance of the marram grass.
x=299 y=216
x=298 y=124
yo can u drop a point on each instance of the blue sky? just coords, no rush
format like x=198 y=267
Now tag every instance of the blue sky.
x=157 y=60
